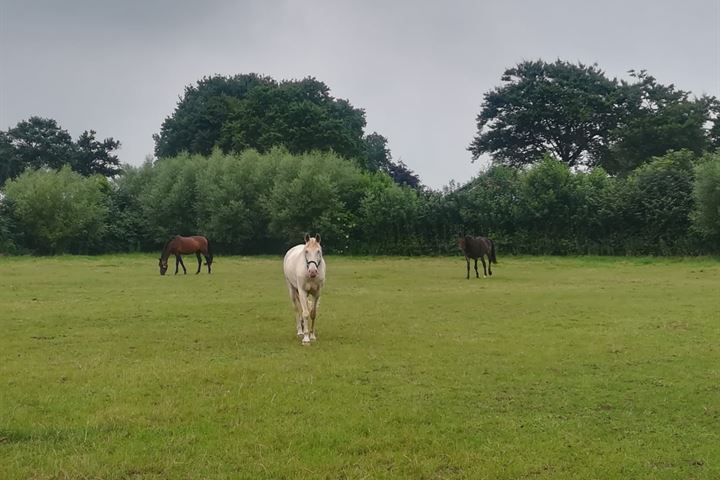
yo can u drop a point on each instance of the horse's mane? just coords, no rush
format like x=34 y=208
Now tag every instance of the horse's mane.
x=167 y=244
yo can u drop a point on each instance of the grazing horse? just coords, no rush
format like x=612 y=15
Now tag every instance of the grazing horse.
x=477 y=247
x=183 y=245
x=304 y=268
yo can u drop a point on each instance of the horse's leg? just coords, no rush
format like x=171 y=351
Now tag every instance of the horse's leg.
x=177 y=263
x=199 y=262
x=477 y=275
x=207 y=261
x=467 y=259
x=313 y=314
x=482 y=259
x=182 y=264
x=302 y=294
x=489 y=265
x=298 y=309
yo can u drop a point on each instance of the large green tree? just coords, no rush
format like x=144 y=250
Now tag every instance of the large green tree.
x=579 y=116
x=251 y=111
x=202 y=111
x=92 y=156
x=657 y=118
x=562 y=108
x=41 y=143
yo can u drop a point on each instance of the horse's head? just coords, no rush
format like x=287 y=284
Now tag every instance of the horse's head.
x=313 y=254
x=163 y=266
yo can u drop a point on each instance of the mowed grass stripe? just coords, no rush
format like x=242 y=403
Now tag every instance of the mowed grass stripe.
x=553 y=368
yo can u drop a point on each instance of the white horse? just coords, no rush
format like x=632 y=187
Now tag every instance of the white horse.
x=304 y=268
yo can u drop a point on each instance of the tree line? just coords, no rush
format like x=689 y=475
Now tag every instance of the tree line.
x=257 y=203
x=580 y=164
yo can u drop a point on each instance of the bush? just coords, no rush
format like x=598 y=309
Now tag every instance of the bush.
x=706 y=218
x=263 y=203
x=128 y=226
x=8 y=229
x=317 y=192
x=388 y=218
x=60 y=211
x=657 y=201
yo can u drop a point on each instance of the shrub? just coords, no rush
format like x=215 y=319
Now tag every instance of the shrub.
x=60 y=211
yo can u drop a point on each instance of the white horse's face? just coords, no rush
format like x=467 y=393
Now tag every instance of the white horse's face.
x=313 y=255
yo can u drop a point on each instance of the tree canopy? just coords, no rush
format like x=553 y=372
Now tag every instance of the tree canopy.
x=42 y=143
x=656 y=119
x=251 y=111
x=559 y=108
x=581 y=117
x=92 y=156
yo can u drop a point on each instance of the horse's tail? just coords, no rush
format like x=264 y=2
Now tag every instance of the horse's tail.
x=209 y=253
x=492 y=251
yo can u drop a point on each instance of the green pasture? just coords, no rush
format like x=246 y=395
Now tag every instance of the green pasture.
x=557 y=368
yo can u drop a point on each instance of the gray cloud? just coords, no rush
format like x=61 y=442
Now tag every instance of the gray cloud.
x=419 y=69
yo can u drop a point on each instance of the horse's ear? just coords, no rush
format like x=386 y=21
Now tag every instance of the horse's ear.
x=307 y=238
x=317 y=237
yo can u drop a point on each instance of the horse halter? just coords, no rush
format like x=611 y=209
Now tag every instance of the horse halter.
x=308 y=262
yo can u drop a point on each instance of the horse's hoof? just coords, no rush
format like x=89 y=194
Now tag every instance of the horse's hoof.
x=305 y=342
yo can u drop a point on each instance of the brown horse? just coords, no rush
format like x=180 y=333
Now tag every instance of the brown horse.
x=477 y=247
x=183 y=245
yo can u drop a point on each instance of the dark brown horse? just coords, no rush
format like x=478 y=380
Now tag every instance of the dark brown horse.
x=477 y=247
x=183 y=245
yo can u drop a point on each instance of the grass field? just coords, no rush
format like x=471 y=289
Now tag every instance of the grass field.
x=562 y=368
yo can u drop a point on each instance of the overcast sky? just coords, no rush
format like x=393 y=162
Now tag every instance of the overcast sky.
x=418 y=69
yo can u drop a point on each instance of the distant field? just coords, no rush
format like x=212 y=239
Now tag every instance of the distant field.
x=557 y=368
